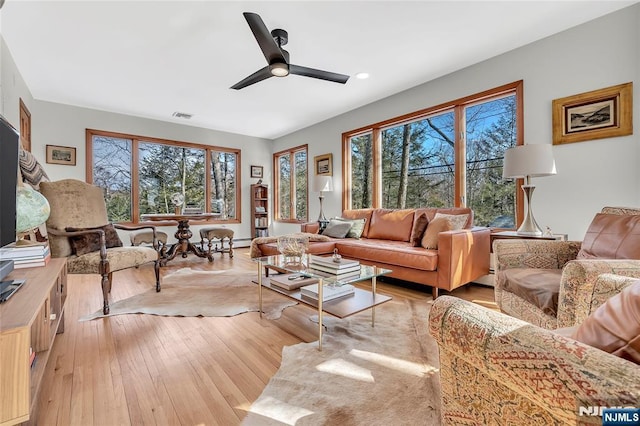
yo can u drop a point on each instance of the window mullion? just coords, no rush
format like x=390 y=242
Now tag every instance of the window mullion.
x=460 y=168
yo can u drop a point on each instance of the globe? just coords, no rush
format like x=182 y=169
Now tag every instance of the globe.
x=32 y=209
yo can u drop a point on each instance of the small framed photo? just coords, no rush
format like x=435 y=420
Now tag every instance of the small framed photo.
x=603 y=113
x=61 y=155
x=256 y=172
x=323 y=164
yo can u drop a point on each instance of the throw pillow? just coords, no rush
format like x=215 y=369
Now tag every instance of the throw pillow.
x=357 y=227
x=87 y=243
x=337 y=229
x=612 y=236
x=32 y=172
x=457 y=220
x=419 y=226
x=436 y=226
x=615 y=326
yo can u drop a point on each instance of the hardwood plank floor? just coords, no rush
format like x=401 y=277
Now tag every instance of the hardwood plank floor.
x=151 y=370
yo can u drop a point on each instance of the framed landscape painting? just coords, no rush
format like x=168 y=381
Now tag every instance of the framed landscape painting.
x=256 y=172
x=603 y=113
x=323 y=164
x=61 y=155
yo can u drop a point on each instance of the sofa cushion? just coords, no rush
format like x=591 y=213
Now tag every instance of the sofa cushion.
x=436 y=226
x=359 y=214
x=394 y=225
x=615 y=326
x=612 y=236
x=87 y=243
x=539 y=287
x=420 y=223
x=337 y=229
x=431 y=213
x=388 y=252
x=357 y=226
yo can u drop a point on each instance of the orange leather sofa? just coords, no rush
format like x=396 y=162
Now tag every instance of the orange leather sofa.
x=461 y=257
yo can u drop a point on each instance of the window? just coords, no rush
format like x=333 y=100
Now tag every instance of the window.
x=449 y=155
x=291 y=186
x=143 y=175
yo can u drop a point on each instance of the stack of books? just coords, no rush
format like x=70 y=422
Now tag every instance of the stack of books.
x=26 y=256
x=343 y=269
x=329 y=291
x=291 y=281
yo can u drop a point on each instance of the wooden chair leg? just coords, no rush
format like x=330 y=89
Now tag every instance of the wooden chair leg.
x=231 y=248
x=105 y=294
x=156 y=267
x=434 y=292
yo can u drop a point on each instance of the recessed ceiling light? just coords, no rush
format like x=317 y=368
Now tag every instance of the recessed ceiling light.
x=362 y=75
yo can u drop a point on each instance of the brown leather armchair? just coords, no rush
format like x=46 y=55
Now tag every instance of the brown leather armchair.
x=553 y=284
x=78 y=210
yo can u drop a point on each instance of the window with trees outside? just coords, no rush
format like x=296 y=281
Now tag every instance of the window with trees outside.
x=291 y=185
x=142 y=175
x=446 y=156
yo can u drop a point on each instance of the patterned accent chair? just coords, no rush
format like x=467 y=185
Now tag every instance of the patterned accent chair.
x=552 y=284
x=81 y=206
x=495 y=369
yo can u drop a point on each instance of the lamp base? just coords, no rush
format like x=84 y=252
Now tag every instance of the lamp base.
x=529 y=226
x=321 y=217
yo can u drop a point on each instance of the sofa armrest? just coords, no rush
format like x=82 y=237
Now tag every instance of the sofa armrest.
x=581 y=291
x=541 y=254
x=463 y=256
x=495 y=367
x=310 y=227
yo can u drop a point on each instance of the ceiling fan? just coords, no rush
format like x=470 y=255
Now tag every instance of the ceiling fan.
x=278 y=59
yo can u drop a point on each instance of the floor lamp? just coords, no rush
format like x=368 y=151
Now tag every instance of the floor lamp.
x=322 y=184
x=527 y=161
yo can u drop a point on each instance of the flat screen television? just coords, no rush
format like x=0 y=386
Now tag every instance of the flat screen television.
x=9 y=142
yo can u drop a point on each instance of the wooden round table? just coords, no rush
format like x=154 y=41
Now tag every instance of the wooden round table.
x=183 y=234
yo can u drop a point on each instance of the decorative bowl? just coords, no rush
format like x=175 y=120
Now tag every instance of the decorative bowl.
x=293 y=248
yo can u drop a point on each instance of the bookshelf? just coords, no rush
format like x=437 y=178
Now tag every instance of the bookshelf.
x=259 y=210
x=31 y=318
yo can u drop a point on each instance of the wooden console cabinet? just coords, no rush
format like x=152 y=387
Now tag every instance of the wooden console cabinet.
x=30 y=319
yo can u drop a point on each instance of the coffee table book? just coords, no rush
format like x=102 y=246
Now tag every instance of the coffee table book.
x=329 y=292
x=323 y=268
x=328 y=262
x=292 y=281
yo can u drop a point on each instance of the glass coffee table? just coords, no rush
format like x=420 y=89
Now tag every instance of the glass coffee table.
x=341 y=307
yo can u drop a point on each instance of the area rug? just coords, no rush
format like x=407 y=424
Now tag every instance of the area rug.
x=386 y=375
x=191 y=293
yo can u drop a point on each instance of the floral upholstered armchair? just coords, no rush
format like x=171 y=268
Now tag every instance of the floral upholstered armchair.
x=499 y=370
x=553 y=284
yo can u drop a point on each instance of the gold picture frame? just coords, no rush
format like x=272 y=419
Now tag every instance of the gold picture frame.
x=323 y=164
x=603 y=113
x=61 y=155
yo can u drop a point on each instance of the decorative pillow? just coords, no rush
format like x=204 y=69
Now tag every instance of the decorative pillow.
x=615 y=326
x=337 y=229
x=83 y=244
x=612 y=236
x=436 y=226
x=457 y=220
x=357 y=226
x=419 y=226
x=32 y=172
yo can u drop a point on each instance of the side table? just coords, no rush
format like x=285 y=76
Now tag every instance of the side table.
x=511 y=235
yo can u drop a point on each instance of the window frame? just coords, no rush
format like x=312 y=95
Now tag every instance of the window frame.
x=135 y=199
x=458 y=107
x=292 y=184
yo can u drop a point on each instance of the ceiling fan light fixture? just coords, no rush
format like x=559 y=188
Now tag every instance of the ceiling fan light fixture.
x=279 y=69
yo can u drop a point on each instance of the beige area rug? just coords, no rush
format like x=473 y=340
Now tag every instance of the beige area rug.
x=191 y=293
x=387 y=375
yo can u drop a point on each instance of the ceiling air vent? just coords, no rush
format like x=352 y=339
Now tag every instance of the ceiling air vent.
x=182 y=115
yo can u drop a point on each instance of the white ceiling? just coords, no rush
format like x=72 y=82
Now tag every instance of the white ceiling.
x=151 y=58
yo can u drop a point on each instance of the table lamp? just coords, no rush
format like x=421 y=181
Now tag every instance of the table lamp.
x=32 y=210
x=322 y=184
x=527 y=161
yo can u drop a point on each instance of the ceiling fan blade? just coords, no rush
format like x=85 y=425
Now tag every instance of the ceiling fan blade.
x=261 y=74
x=314 y=73
x=268 y=45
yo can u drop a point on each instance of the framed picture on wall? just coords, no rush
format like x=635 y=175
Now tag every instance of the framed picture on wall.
x=603 y=113
x=256 y=172
x=323 y=164
x=61 y=155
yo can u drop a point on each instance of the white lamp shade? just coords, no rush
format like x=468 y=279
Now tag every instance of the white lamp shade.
x=323 y=184
x=528 y=160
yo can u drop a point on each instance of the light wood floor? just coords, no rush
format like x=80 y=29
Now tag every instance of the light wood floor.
x=146 y=369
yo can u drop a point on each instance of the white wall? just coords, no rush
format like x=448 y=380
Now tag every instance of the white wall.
x=591 y=174
x=12 y=87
